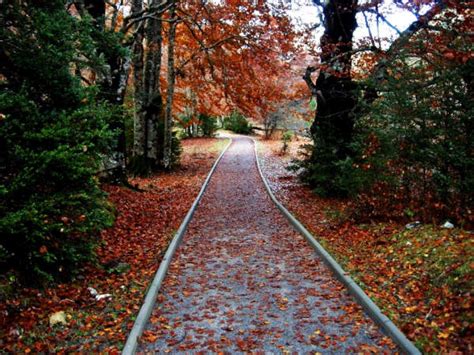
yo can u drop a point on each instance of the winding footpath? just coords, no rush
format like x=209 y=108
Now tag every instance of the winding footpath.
x=243 y=280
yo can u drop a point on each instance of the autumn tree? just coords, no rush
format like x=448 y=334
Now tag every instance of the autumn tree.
x=226 y=55
x=231 y=56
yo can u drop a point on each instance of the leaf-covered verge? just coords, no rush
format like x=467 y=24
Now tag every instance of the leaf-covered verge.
x=421 y=278
x=129 y=255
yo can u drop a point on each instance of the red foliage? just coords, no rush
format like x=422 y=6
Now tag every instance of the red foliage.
x=230 y=56
x=144 y=226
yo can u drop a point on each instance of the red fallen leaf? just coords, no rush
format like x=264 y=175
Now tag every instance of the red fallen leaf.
x=242 y=344
x=43 y=249
x=145 y=221
x=149 y=336
x=449 y=55
x=396 y=279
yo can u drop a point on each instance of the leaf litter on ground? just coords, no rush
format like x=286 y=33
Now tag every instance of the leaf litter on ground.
x=129 y=254
x=422 y=278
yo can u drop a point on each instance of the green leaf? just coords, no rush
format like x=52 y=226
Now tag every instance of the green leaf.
x=313 y=104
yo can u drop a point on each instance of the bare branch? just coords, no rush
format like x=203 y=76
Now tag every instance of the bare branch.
x=132 y=19
x=368 y=29
x=383 y=18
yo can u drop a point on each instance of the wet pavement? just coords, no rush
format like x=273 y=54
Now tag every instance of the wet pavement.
x=243 y=280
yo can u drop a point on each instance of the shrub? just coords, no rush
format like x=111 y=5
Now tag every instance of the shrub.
x=53 y=135
x=324 y=172
x=414 y=148
x=207 y=125
x=203 y=125
x=236 y=122
x=188 y=123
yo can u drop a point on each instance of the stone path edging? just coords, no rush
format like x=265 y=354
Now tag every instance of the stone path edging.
x=150 y=298
x=369 y=306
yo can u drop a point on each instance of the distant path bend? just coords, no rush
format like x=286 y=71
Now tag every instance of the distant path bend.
x=244 y=280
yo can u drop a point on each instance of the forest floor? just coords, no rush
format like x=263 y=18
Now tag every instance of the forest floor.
x=128 y=255
x=421 y=278
x=244 y=280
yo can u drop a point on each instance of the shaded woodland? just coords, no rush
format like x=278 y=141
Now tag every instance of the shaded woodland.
x=99 y=98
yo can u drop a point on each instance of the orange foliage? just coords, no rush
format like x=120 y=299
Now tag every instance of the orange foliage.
x=232 y=56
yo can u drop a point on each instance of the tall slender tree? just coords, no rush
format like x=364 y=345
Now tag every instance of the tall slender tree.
x=148 y=121
x=168 y=121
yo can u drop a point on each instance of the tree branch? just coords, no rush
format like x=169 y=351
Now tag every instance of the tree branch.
x=307 y=78
x=383 y=18
x=205 y=48
x=142 y=15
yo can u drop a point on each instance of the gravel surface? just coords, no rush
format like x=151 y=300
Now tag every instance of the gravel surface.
x=244 y=281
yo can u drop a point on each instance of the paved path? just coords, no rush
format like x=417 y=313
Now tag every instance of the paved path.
x=243 y=280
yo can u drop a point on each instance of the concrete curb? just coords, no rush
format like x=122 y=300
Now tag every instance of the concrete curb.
x=369 y=306
x=150 y=298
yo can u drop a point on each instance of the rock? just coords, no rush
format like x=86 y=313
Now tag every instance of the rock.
x=103 y=296
x=413 y=225
x=14 y=332
x=57 y=318
x=98 y=296
x=93 y=291
x=447 y=225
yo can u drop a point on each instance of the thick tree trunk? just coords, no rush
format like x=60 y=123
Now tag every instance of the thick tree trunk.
x=168 y=124
x=148 y=140
x=334 y=119
x=333 y=126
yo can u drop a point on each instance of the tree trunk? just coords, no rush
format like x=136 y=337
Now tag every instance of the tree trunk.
x=139 y=119
x=168 y=126
x=333 y=126
x=112 y=86
x=334 y=119
x=154 y=102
